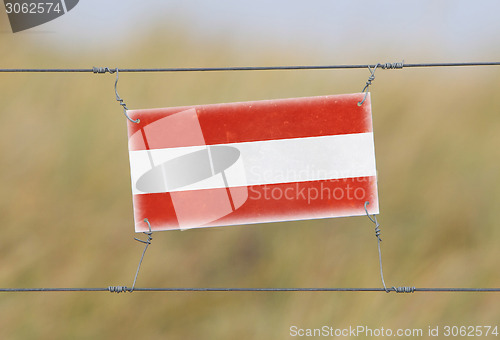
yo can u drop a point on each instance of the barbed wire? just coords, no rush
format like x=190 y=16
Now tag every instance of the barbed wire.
x=398 y=65
x=122 y=289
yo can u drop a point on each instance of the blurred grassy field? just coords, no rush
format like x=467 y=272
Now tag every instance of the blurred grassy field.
x=66 y=208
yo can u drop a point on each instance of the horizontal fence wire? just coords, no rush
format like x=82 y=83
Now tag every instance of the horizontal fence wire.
x=248 y=68
x=121 y=289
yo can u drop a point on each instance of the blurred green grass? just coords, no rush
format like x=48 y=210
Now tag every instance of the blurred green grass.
x=66 y=209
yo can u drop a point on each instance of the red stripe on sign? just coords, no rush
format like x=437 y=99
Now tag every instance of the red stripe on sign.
x=256 y=121
x=265 y=203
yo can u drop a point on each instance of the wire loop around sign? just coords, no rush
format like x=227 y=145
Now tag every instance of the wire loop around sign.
x=385 y=66
x=123 y=289
x=147 y=242
x=102 y=70
x=377 y=234
x=118 y=99
x=368 y=83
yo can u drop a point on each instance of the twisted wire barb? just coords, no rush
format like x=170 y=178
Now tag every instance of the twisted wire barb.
x=102 y=70
x=117 y=289
x=392 y=66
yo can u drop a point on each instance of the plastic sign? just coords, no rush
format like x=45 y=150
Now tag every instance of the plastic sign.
x=252 y=162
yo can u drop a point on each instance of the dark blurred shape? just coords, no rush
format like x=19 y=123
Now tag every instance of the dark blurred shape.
x=70 y=4
x=26 y=14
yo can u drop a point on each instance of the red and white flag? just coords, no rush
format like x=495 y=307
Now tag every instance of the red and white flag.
x=252 y=162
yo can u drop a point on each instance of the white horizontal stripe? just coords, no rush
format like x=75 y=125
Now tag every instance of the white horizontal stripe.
x=271 y=162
